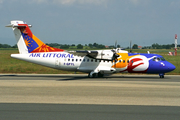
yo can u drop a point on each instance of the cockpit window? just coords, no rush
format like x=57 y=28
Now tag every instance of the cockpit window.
x=158 y=59
x=162 y=59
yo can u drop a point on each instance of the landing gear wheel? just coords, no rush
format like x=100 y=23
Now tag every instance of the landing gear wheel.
x=161 y=75
x=94 y=75
x=89 y=75
x=100 y=75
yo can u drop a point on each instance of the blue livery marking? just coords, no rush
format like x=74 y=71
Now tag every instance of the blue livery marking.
x=30 y=43
x=51 y=55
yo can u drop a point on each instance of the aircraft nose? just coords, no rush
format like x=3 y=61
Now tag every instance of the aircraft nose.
x=170 y=67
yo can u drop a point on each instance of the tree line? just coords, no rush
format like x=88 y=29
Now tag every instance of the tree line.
x=97 y=46
x=156 y=46
x=78 y=46
x=7 y=46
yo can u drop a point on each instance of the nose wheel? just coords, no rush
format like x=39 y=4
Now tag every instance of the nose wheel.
x=161 y=75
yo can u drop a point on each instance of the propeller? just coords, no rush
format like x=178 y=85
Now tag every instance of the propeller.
x=115 y=55
x=115 y=44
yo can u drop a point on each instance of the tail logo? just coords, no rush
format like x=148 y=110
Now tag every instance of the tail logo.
x=30 y=43
x=33 y=43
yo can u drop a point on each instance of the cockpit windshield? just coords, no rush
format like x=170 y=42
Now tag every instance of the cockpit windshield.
x=158 y=59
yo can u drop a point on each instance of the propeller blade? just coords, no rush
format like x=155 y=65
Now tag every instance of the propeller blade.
x=115 y=44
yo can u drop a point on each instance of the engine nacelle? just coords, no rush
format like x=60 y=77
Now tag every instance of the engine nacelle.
x=100 y=54
x=104 y=55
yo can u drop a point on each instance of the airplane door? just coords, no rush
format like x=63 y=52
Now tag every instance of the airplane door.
x=57 y=63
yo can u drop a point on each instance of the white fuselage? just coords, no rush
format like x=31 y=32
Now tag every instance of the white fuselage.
x=66 y=61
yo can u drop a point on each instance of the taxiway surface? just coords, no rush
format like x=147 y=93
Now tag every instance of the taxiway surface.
x=79 y=97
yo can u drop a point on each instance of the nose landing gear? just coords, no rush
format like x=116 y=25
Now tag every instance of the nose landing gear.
x=161 y=75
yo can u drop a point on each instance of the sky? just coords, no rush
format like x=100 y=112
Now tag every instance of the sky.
x=143 y=22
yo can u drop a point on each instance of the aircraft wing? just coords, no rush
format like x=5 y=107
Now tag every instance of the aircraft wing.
x=108 y=55
x=91 y=54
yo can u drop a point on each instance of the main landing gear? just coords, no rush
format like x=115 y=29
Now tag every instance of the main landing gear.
x=95 y=75
x=161 y=75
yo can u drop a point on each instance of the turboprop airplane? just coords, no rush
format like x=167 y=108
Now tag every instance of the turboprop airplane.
x=96 y=62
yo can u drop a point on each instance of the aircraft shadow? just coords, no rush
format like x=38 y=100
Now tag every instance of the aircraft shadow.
x=116 y=78
x=85 y=77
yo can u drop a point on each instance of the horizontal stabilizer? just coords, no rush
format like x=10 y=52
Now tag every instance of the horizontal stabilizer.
x=11 y=25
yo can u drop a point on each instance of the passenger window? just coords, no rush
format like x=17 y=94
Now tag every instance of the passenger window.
x=84 y=60
x=72 y=60
x=76 y=60
x=119 y=60
x=68 y=59
x=91 y=60
x=95 y=60
x=79 y=59
x=127 y=61
x=123 y=61
x=87 y=60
